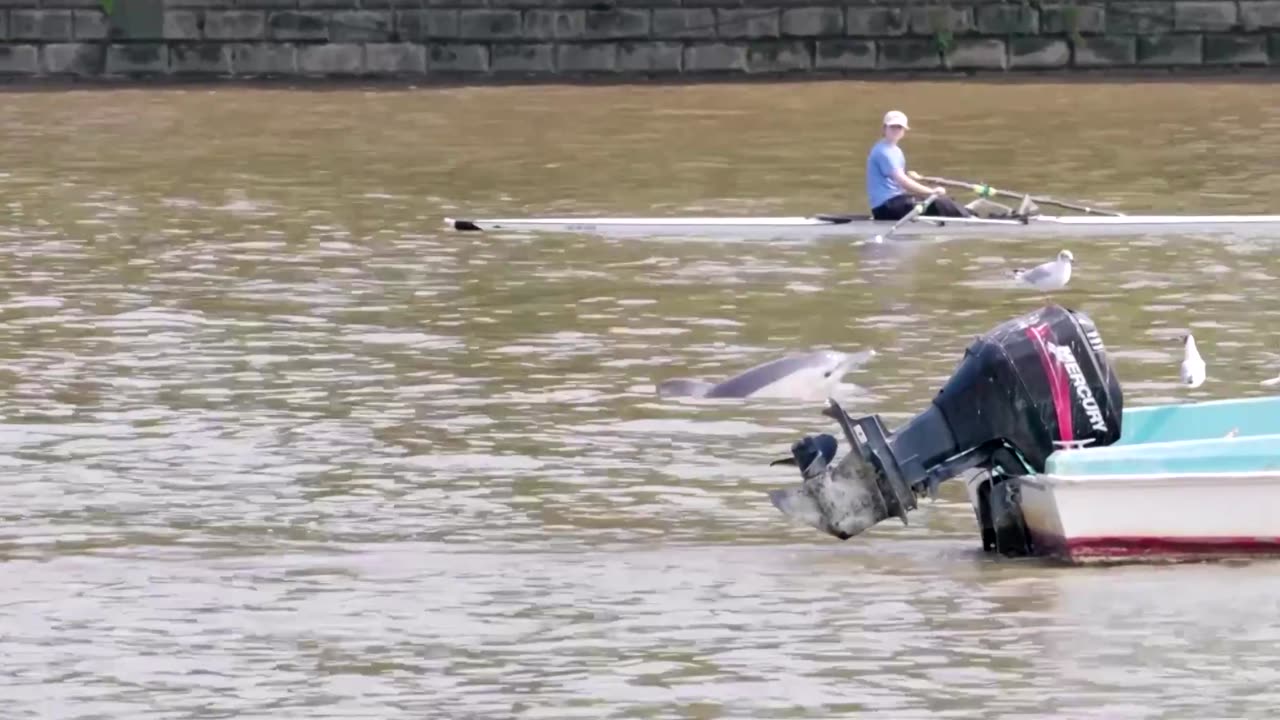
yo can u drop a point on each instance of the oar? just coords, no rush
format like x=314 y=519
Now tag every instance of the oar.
x=915 y=212
x=984 y=190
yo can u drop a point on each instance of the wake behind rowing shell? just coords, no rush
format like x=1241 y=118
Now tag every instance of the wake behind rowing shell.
x=807 y=376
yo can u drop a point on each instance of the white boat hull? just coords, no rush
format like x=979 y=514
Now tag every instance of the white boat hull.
x=1150 y=517
x=837 y=225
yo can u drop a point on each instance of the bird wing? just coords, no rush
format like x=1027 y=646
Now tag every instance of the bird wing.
x=1039 y=272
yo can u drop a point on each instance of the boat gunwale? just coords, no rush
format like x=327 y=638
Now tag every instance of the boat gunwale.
x=822 y=220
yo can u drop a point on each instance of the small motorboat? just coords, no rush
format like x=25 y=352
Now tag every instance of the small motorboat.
x=1185 y=481
x=1054 y=465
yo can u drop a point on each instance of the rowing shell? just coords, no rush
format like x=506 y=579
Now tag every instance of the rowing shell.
x=820 y=225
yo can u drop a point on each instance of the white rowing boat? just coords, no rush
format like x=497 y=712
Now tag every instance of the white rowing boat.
x=862 y=225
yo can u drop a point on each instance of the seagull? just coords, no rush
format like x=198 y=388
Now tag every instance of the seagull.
x=1192 y=371
x=1052 y=275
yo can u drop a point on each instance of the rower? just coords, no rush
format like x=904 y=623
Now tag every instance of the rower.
x=887 y=177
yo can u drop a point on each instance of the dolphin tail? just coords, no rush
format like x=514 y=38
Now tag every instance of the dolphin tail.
x=683 y=387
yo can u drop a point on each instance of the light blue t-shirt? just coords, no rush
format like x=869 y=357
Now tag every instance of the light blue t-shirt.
x=881 y=162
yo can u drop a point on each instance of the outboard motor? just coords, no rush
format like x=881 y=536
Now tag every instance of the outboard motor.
x=1029 y=386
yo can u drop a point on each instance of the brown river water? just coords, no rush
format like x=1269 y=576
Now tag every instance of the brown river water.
x=275 y=445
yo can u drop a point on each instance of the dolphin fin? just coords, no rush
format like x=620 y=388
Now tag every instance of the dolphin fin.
x=684 y=387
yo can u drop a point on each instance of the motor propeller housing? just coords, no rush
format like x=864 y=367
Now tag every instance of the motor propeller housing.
x=1022 y=390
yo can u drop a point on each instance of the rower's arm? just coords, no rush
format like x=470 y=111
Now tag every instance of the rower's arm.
x=906 y=182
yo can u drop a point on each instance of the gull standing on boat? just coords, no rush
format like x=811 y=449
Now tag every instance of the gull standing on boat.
x=889 y=189
x=1192 y=372
x=1052 y=275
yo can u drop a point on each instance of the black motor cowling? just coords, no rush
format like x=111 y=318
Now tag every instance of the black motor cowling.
x=1029 y=386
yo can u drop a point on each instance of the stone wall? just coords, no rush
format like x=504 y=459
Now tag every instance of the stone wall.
x=495 y=40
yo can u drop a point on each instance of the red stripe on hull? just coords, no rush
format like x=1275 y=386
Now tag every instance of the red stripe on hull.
x=1102 y=548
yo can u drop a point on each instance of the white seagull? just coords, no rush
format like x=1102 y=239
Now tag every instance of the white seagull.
x=1052 y=275
x=1192 y=372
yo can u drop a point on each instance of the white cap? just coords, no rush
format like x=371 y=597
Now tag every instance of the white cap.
x=894 y=117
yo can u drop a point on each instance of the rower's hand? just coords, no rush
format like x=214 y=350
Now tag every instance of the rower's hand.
x=940 y=190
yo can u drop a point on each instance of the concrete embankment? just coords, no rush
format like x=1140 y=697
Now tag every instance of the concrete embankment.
x=484 y=41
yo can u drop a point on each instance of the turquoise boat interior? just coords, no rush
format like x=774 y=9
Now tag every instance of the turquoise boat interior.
x=1187 y=438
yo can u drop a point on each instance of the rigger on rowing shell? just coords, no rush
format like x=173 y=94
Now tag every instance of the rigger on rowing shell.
x=890 y=188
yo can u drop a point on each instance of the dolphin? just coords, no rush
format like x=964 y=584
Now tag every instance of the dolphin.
x=802 y=376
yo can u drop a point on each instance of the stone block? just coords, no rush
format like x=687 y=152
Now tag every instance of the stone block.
x=488 y=24
x=55 y=4
x=650 y=56
x=235 y=25
x=326 y=4
x=1038 y=52
x=293 y=25
x=395 y=58
x=199 y=4
x=266 y=5
x=85 y=25
x=941 y=19
x=1073 y=19
x=813 y=22
x=615 y=24
x=743 y=23
x=555 y=24
x=714 y=57
x=80 y=59
x=1171 y=50
x=684 y=23
x=521 y=4
x=458 y=57
x=199 y=59
x=777 y=57
x=845 y=54
x=596 y=57
x=181 y=25
x=1007 y=20
x=137 y=59
x=522 y=58
x=904 y=54
x=1139 y=18
x=137 y=20
x=45 y=25
x=421 y=25
x=261 y=59
x=331 y=59
x=977 y=54
x=360 y=26
x=19 y=59
x=1235 y=49
x=1104 y=51
x=647 y=4
x=1201 y=15
x=1260 y=14
x=875 y=22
